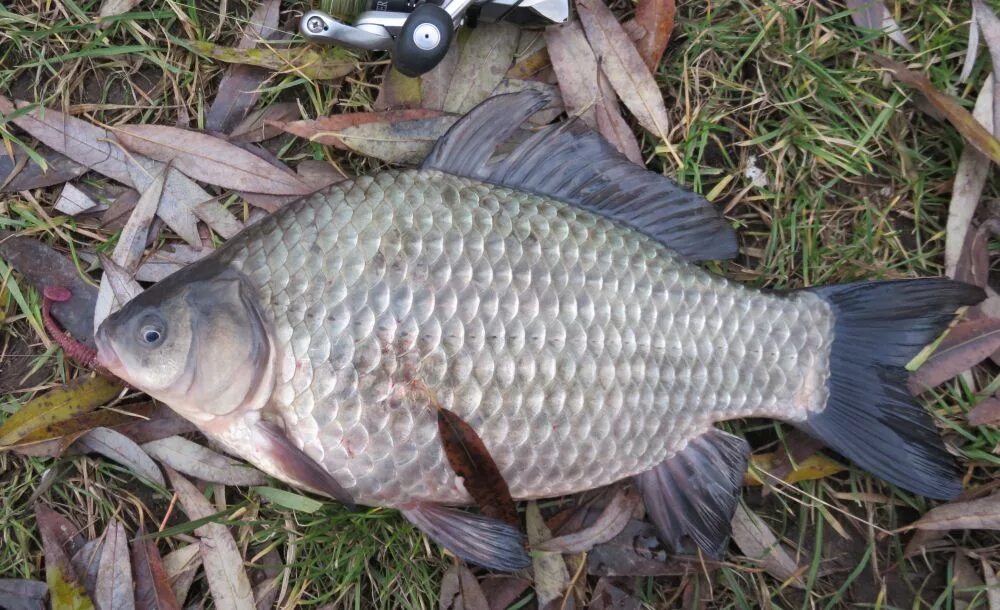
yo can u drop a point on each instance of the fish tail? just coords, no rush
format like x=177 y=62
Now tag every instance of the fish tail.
x=870 y=416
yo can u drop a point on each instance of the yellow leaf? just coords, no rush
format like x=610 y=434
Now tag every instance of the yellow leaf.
x=65 y=595
x=79 y=396
x=304 y=60
x=812 y=468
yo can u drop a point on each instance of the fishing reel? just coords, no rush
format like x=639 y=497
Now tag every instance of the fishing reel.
x=418 y=33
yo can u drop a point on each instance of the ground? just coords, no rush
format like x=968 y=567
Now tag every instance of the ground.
x=853 y=179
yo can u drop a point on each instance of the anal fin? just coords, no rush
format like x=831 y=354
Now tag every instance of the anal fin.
x=693 y=494
x=477 y=539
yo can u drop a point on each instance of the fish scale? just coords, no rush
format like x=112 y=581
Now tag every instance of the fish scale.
x=580 y=352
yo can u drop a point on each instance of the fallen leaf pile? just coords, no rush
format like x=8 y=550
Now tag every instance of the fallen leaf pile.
x=171 y=193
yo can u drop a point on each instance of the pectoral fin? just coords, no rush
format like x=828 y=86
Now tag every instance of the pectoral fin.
x=477 y=539
x=694 y=493
x=297 y=465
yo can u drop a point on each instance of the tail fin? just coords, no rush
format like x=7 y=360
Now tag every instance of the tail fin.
x=870 y=416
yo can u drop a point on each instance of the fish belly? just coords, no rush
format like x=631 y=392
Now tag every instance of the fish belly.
x=582 y=352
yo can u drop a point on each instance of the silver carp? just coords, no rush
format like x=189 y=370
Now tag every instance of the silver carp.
x=544 y=291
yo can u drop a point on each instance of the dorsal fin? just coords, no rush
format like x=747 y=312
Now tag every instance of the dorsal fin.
x=573 y=164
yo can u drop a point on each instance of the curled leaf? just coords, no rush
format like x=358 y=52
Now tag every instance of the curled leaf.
x=609 y=524
x=981 y=514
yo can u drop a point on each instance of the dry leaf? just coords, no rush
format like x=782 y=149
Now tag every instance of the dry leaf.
x=264 y=124
x=623 y=66
x=42 y=266
x=959 y=117
x=307 y=61
x=434 y=85
x=461 y=591
x=65 y=587
x=162 y=263
x=132 y=241
x=114 y=576
x=982 y=514
x=405 y=143
x=110 y=8
x=320 y=173
x=240 y=87
x=612 y=126
x=576 y=69
x=397 y=91
x=637 y=551
x=992 y=586
x=209 y=159
x=152 y=587
x=986 y=413
x=79 y=396
x=120 y=448
x=503 y=591
x=181 y=566
x=530 y=65
x=609 y=524
x=607 y=596
x=192 y=459
x=117 y=288
x=990 y=26
x=551 y=574
x=485 y=55
x=227 y=577
x=656 y=18
x=329 y=129
x=472 y=462
x=808 y=469
x=21 y=173
x=18 y=594
x=966 y=345
x=873 y=15
x=73 y=201
x=758 y=543
x=971 y=49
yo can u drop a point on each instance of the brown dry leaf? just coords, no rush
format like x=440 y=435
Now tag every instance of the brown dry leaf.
x=873 y=15
x=152 y=587
x=992 y=585
x=87 y=561
x=982 y=514
x=162 y=263
x=434 y=84
x=966 y=345
x=460 y=590
x=72 y=201
x=612 y=125
x=227 y=577
x=530 y=65
x=503 y=591
x=970 y=180
x=181 y=566
x=974 y=261
x=608 y=596
x=485 y=55
x=329 y=129
x=576 y=68
x=320 y=173
x=758 y=543
x=471 y=460
x=550 y=572
x=18 y=594
x=42 y=266
x=405 y=143
x=637 y=551
x=192 y=459
x=261 y=124
x=986 y=413
x=114 y=576
x=397 y=91
x=79 y=396
x=967 y=585
x=307 y=61
x=623 y=66
x=120 y=448
x=21 y=173
x=959 y=117
x=65 y=587
x=656 y=19
x=209 y=159
x=132 y=241
x=240 y=87
x=609 y=524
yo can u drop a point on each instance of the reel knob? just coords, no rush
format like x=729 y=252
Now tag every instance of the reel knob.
x=423 y=40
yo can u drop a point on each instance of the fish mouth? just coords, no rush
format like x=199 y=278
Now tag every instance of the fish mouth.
x=107 y=357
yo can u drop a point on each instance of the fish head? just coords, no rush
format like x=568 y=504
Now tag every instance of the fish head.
x=196 y=341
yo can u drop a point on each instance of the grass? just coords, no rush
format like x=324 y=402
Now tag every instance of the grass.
x=858 y=184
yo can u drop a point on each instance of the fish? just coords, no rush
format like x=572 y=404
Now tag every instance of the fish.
x=546 y=291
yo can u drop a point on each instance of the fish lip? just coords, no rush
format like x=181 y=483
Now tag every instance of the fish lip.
x=107 y=357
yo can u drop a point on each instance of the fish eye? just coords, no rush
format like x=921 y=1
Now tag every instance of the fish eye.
x=152 y=331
